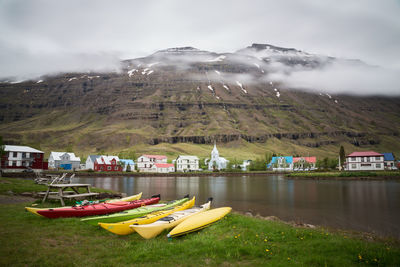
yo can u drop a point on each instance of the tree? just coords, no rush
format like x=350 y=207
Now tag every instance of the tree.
x=342 y=157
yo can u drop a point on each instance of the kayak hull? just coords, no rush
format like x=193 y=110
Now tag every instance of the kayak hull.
x=126 y=199
x=96 y=209
x=152 y=230
x=199 y=221
x=123 y=228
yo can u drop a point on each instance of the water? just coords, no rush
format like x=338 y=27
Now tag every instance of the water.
x=370 y=206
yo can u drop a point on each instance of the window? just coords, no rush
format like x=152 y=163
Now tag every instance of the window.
x=368 y=159
x=15 y=154
x=116 y=168
x=23 y=155
x=378 y=165
x=362 y=159
x=38 y=155
x=109 y=168
x=353 y=166
x=365 y=165
x=14 y=163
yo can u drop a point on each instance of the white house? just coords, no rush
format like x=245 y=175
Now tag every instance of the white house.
x=364 y=161
x=65 y=160
x=145 y=162
x=245 y=165
x=187 y=163
x=163 y=167
x=216 y=162
x=89 y=165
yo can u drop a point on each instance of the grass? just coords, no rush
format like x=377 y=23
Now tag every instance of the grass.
x=235 y=240
x=345 y=174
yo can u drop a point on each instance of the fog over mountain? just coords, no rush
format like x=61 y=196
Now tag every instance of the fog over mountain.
x=48 y=37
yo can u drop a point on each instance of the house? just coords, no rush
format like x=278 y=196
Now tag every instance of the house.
x=18 y=158
x=187 y=163
x=304 y=163
x=389 y=161
x=107 y=164
x=216 y=162
x=127 y=165
x=364 y=161
x=145 y=162
x=163 y=167
x=245 y=164
x=65 y=160
x=89 y=165
x=284 y=163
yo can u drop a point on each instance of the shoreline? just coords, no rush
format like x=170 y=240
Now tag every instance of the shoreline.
x=285 y=175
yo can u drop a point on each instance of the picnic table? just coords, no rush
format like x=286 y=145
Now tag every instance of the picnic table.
x=62 y=194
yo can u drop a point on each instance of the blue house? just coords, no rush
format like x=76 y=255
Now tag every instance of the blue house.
x=284 y=163
x=127 y=162
x=389 y=161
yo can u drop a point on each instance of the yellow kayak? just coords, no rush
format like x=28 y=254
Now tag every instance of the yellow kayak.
x=151 y=230
x=126 y=199
x=199 y=221
x=122 y=228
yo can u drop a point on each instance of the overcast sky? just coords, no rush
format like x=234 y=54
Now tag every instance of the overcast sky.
x=38 y=37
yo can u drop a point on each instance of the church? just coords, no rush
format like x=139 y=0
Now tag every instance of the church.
x=216 y=162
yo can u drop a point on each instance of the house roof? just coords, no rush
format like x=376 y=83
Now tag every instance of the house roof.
x=164 y=165
x=106 y=159
x=93 y=157
x=155 y=156
x=127 y=161
x=388 y=156
x=188 y=157
x=57 y=156
x=307 y=159
x=364 y=154
x=21 y=149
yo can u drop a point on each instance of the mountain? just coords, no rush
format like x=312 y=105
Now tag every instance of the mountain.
x=178 y=97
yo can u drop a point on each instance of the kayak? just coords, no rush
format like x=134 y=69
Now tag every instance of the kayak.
x=122 y=228
x=132 y=214
x=97 y=209
x=130 y=198
x=199 y=221
x=151 y=230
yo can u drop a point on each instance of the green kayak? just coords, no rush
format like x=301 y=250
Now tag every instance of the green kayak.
x=133 y=213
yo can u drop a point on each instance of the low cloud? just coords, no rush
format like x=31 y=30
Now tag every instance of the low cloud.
x=341 y=77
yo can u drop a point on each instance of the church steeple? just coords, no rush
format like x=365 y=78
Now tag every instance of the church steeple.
x=214 y=152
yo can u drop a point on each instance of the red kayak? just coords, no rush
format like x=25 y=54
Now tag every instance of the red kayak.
x=97 y=209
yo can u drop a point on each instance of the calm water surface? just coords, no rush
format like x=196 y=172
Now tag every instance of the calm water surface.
x=371 y=206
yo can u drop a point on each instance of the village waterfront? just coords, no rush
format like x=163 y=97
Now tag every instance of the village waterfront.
x=359 y=205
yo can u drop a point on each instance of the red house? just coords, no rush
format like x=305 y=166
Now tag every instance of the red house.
x=107 y=164
x=19 y=158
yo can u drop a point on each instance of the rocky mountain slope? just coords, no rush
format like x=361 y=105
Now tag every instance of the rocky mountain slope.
x=185 y=95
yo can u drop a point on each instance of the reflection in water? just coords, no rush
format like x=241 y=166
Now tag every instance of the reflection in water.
x=371 y=206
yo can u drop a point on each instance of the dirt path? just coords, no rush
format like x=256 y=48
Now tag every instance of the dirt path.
x=11 y=199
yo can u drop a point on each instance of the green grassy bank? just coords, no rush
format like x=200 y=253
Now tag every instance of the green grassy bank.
x=393 y=174
x=29 y=240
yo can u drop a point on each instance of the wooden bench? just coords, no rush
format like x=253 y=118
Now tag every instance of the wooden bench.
x=81 y=195
x=61 y=194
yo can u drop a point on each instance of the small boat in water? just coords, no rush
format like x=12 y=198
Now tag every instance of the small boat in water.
x=199 y=221
x=151 y=230
x=123 y=228
x=97 y=209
